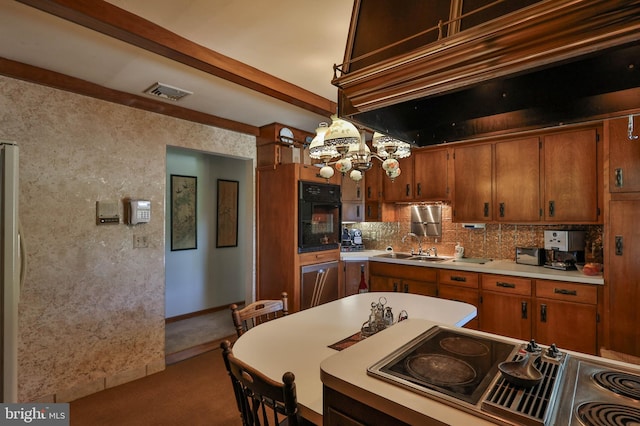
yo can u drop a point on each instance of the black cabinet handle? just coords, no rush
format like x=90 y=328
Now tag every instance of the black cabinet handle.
x=408 y=190
x=552 y=208
x=419 y=189
x=619 y=245
x=505 y=285
x=501 y=209
x=486 y=209
x=543 y=313
x=406 y=288
x=524 y=309
x=368 y=192
x=395 y=287
x=358 y=212
x=368 y=211
x=565 y=291
x=358 y=192
x=459 y=279
x=619 y=178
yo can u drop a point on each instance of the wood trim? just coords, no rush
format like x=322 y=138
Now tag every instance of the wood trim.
x=110 y=20
x=56 y=80
x=202 y=312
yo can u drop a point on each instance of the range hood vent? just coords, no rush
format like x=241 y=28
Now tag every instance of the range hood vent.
x=475 y=74
x=167 y=92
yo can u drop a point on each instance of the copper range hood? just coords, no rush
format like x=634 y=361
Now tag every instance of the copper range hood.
x=449 y=70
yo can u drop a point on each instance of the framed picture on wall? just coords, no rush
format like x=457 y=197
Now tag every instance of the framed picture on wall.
x=227 y=226
x=184 y=220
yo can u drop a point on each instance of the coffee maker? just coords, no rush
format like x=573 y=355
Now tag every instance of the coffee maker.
x=563 y=249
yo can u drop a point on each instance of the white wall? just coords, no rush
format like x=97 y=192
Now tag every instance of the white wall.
x=208 y=277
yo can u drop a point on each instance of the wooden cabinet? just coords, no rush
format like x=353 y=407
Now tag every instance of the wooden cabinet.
x=624 y=156
x=401 y=188
x=571 y=184
x=547 y=179
x=352 y=194
x=431 y=174
x=278 y=263
x=566 y=314
x=472 y=188
x=622 y=273
x=461 y=286
x=403 y=278
x=351 y=275
x=505 y=306
x=517 y=180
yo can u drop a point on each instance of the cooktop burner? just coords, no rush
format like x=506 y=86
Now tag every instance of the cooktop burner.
x=621 y=383
x=603 y=413
x=445 y=363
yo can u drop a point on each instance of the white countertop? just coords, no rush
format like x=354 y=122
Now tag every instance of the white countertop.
x=300 y=342
x=502 y=267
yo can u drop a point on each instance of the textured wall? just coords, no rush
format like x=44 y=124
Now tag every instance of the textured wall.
x=496 y=241
x=92 y=308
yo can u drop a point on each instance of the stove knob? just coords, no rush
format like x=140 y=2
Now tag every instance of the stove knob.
x=532 y=346
x=553 y=351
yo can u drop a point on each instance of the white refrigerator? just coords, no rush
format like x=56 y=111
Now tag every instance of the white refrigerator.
x=10 y=259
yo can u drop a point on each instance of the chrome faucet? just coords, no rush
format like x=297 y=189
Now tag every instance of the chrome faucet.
x=412 y=235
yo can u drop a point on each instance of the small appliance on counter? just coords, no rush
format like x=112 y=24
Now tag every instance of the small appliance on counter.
x=563 y=249
x=351 y=240
x=529 y=256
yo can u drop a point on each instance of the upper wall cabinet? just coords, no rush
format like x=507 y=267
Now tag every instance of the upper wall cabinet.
x=624 y=155
x=547 y=179
x=401 y=188
x=431 y=174
x=571 y=184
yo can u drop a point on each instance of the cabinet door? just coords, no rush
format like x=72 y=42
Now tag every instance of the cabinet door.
x=401 y=188
x=382 y=283
x=570 y=326
x=517 y=181
x=373 y=183
x=424 y=288
x=623 y=270
x=506 y=314
x=570 y=177
x=350 y=190
x=352 y=276
x=462 y=294
x=472 y=183
x=430 y=174
x=624 y=156
x=353 y=211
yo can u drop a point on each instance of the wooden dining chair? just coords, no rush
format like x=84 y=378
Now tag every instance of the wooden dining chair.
x=261 y=401
x=258 y=312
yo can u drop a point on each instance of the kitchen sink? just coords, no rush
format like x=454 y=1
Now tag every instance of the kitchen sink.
x=394 y=255
x=428 y=258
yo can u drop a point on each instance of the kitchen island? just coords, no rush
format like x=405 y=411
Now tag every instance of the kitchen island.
x=300 y=342
x=352 y=396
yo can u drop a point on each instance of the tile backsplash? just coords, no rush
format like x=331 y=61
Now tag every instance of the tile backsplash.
x=494 y=241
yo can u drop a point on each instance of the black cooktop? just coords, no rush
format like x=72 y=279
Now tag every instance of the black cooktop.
x=448 y=361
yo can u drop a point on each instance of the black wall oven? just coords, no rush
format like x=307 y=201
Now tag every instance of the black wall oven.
x=319 y=216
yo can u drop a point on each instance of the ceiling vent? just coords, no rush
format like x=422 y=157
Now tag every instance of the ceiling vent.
x=167 y=92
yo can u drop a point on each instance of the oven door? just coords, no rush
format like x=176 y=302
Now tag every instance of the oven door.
x=319 y=226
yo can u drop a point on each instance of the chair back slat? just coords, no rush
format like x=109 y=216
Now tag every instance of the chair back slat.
x=258 y=397
x=258 y=313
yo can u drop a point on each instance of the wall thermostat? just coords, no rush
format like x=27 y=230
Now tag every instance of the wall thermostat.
x=139 y=211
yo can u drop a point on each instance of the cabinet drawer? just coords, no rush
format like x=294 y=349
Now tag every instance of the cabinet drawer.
x=506 y=284
x=570 y=292
x=319 y=256
x=419 y=273
x=459 y=278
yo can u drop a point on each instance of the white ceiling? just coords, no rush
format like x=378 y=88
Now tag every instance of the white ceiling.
x=298 y=41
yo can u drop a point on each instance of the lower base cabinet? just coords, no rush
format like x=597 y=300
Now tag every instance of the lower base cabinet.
x=403 y=278
x=340 y=410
